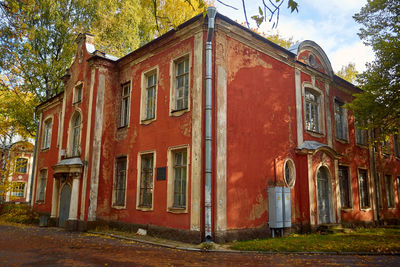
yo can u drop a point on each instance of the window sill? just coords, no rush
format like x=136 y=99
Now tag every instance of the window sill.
x=315 y=134
x=347 y=209
x=45 y=149
x=120 y=128
x=365 y=209
x=362 y=146
x=147 y=121
x=144 y=208
x=177 y=210
x=178 y=112
x=343 y=141
x=77 y=102
x=118 y=207
x=40 y=202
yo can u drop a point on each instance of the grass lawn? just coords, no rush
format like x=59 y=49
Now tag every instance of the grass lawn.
x=360 y=240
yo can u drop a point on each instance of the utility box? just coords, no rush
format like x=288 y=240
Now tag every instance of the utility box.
x=275 y=214
x=287 y=209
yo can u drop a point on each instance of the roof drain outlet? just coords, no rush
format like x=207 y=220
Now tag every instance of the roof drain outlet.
x=211 y=12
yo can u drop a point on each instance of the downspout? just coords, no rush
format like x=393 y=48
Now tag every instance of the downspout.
x=211 y=12
x=33 y=162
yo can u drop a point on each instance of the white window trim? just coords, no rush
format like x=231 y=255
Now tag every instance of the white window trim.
x=74 y=102
x=172 y=109
x=321 y=108
x=119 y=207
x=359 y=190
x=171 y=180
x=70 y=134
x=51 y=118
x=292 y=171
x=38 y=183
x=139 y=176
x=345 y=118
x=120 y=126
x=350 y=187
x=27 y=165
x=143 y=95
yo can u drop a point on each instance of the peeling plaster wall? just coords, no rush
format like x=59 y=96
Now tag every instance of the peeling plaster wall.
x=260 y=131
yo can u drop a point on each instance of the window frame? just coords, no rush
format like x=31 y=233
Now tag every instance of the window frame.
x=390 y=199
x=72 y=135
x=341 y=121
x=25 y=165
x=47 y=133
x=319 y=108
x=396 y=144
x=140 y=157
x=125 y=105
x=14 y=193
x=174 y=111
x=171 y=179
x=349 y=187
x=290 y=163
x=144 y=118
x=360 y=189
x=77 y=93
x=41 y=184
x=116 y=172
x=361 y=134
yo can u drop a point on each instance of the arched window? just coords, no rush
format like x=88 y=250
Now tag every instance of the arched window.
x=76 y=135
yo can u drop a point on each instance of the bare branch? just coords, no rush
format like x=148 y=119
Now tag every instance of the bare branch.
x=222 y=3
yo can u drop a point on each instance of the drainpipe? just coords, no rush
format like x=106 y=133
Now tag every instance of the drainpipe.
x=211 y=12
x=34 y=161
x=375 y=175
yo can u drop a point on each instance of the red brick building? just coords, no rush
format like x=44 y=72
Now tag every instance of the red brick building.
x=16 y=163
x=184 y=136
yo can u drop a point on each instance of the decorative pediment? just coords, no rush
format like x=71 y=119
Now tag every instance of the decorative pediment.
x=311 y=54
x=312 y=147
x=69 y=167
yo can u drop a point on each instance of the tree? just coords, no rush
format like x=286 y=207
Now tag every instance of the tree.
x=379 y=104
x=348 y=73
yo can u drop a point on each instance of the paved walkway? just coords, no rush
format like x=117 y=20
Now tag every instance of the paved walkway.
x=34 y=246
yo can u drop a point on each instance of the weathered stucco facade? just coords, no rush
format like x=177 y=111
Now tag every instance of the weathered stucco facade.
x=127 y=138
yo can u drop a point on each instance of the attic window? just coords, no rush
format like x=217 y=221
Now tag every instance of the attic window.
x=312 y=60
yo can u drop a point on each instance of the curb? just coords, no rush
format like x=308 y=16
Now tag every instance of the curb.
x=397 y=253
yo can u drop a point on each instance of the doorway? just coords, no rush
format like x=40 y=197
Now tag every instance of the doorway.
x=65 y=200
x=323 y=195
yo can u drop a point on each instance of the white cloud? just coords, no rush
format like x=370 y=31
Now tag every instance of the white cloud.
x=356 y=53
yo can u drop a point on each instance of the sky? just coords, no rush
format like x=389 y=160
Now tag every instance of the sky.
x=329 y=23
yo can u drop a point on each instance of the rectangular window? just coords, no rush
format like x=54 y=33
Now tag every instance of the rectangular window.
x=41 y=188
x=21 y=165
x=361 y=137
x=78 y=93
x=47 y=134
x=345 y=187
x=146 y=180
x=182 y=84
x=386 y=147
x=364 y=189
x=18 y=190
x=389 y=191
x=340 y=121
x=125 y=102
x=398 y=188
x=150 y=97
x=312 y=111
x=396 y=145
x=120 y=182
x=179 y=172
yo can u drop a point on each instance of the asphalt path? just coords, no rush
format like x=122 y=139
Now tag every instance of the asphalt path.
x=35 y=246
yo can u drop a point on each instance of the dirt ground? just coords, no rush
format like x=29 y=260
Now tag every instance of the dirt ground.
x=34 y=246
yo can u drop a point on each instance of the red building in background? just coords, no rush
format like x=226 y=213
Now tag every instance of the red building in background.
x=16 y=163
x=184 y=136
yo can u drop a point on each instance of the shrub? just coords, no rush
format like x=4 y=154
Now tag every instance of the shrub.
x=18 y=213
